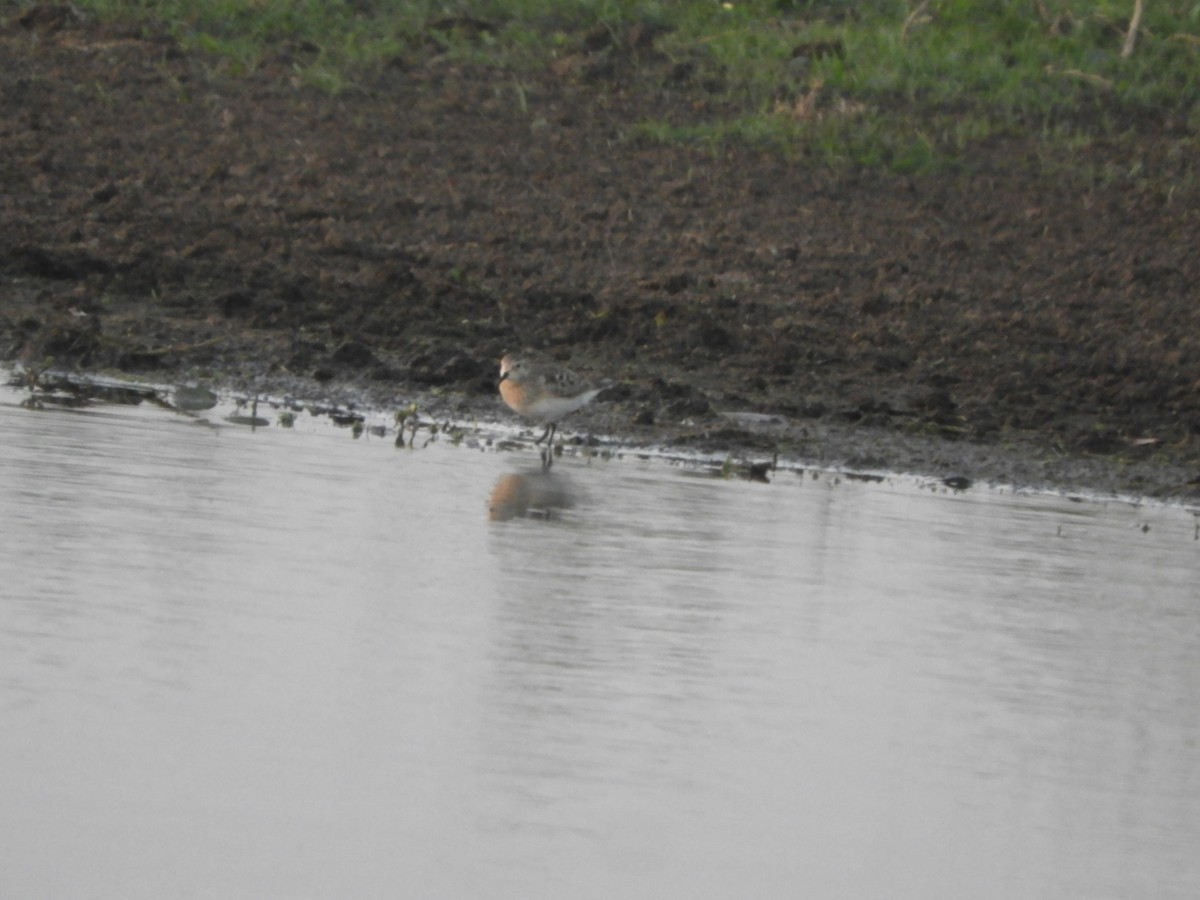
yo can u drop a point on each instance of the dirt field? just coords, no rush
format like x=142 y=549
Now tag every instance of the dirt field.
x=400 y=237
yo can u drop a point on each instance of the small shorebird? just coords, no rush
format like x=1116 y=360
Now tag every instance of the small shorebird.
x=543 y=392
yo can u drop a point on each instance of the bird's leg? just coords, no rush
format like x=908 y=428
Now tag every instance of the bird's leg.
x=547 y=459
x=551 y=427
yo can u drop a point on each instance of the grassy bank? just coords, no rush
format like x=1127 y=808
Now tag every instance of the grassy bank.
x=880 y=83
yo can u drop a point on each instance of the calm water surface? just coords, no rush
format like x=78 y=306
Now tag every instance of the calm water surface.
x=277 y=663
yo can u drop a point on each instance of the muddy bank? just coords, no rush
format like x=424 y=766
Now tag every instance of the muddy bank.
x=748 y=445
x=170 y=223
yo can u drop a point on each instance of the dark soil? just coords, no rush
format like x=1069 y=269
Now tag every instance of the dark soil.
x=171 y=222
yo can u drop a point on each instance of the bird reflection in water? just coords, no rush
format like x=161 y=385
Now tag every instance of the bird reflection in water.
x=529 y=495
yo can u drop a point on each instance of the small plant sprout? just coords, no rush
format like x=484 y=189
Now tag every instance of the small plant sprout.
x=402 y=415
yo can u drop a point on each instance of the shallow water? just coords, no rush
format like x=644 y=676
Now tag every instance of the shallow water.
x=286 y=663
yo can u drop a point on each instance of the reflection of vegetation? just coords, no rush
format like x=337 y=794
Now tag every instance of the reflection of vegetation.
x=408 y=414
x=52 y=388
x=751 y=471
x=901 y=85
x=60 y=389
x=408 y=417
x=253 y=420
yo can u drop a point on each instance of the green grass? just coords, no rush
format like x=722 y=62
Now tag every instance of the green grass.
x=909 y=85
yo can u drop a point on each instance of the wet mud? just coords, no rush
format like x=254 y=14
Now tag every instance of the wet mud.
x=390 y=243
